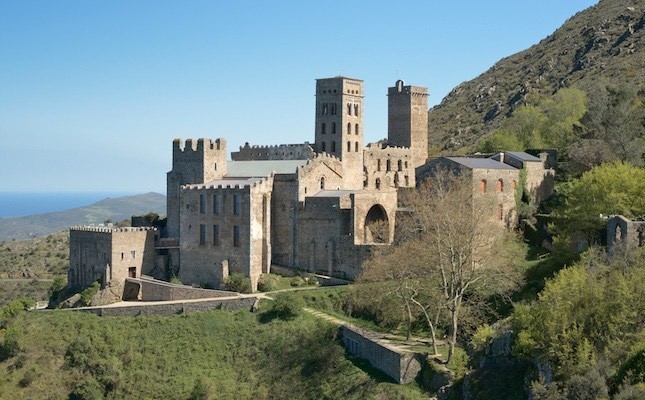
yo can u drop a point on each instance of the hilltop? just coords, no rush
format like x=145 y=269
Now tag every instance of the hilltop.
x=598 y=46
x=117 y=209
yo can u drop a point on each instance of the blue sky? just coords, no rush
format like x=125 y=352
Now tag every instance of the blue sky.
x=92 y=93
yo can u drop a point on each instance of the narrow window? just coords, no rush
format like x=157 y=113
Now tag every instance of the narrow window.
x=482 y=186
x=501 y=212
x=356 y=129
x=349 y=147
x=356 y=109
x=216 y=241
x=322 y=183
x=377 y=183
x=122 y=255
x=322 y=147
x=513 y=184
x=333 y=128
x=500 y=185
x=333 y=147
x=349 y=109
x=356 y=147
x=378 y=164
x=324 y=108
x=388 y=165
x=133 y=254
x=236 y=204
x=333 y=108
x=407 y=181
x=236 y=235
x=349 y=128
x=217 y=207
x=323 y=128
x=202 y=234
x=365 y=183
x=399 y=165
x=202 y=204
x=396 y=180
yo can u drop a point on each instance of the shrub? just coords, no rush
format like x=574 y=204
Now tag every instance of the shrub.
x=287 y=307
x=297 y=281
x=87 y=389
x=176 y=281
x=56 y=287
x=266 y=283
x=482 y=337
x=11 y=344
x=238 y=283
x=201 y=391
x=89 y=293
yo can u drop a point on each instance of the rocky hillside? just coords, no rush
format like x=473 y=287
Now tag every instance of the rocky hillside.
x=600 y=45
x=118 y=209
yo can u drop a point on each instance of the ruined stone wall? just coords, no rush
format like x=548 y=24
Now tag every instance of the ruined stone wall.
x=243 y=242
x=192 y=162
x=402 y=366
x=407 y=120
x=539 y=181
x=300 y=151
x=625 y=233
x=387 y=167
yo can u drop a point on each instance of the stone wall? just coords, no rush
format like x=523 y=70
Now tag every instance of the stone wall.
x=154 y=290
x=407 y=120
x=399 y=365
x=168 y=309
x=387 y=166
x=300 y=151
x=624 y=232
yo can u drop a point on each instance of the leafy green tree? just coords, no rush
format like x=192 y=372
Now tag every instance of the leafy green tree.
x=612 y=188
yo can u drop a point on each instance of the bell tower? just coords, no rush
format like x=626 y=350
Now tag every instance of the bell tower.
x=339 y=125
x=407 y=119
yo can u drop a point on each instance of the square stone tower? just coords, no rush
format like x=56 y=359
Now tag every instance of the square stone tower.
x=339 y=125
x=407 y=119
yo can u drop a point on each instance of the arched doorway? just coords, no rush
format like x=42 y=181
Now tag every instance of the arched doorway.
x=377 y=226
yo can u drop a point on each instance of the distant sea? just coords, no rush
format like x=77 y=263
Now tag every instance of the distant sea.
x=19 y=204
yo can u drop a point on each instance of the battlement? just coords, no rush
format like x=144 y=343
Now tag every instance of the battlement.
x=400 y=88
x=296 y=151
x=233 y=184
x=382 y=147
x=108 y=229
x=200 y=144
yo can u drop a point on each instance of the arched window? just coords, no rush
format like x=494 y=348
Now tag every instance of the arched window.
x=324 y=108
x=356 y=109
x=323 y=128
x=322 y=147
x=378 y=164
x=396 y=180
x=482 y=186
x=333 y=108
x=365 y=183
x=333 y=147
x=501 y=212
x=333 y=128
x=399 y=165
x=513 y=184
x=407 y=181
x=388 y=165
x=500 y=185
x=349 y=147
x=356 y=147
x=349 y=128
x=356 y=129
x=377 y=183
x=349 y=109
x=322 y=183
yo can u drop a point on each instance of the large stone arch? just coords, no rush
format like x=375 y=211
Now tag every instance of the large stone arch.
x=377 y=225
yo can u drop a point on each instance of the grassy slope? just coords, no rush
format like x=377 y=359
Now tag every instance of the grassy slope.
x=594 y=46
x=117 y=209
x=162 y=357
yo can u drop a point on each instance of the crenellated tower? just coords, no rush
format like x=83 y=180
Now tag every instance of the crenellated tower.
x=339 y=124
x=192 y=162
x=407 y=120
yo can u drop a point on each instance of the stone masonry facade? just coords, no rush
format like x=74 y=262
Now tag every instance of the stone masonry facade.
x=319 y=207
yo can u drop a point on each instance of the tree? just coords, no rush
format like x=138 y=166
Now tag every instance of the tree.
x=611 y=188
x=444 y=247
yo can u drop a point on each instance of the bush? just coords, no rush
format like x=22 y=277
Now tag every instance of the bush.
x=267 y=283
x=57 y=287
x=287 y=307
x=89 y=293
x=11 y=344
x=482 y=337
x=238 y=283
x=87 y=389
x=297 y=281
x=201 y=391
x=175 y=281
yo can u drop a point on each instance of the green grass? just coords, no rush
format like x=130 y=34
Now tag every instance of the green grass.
x=234 y=355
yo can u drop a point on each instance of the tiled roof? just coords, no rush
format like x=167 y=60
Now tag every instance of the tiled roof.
x=479 y=163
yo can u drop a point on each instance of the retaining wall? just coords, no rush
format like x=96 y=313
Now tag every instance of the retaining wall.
x=167 y=309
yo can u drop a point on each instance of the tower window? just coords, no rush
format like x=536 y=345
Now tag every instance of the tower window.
x=236 y=236
x=349 y=147
x=377 y=183
x=322 y=147
x=500 y=185
x=217 y=206
x=399 y=165
x=388 y=165
x=202 y=204
x=216 y=239
x=349 y=128
x=349 y=109
x=322 y=183
x=236 y=204
x=356 y=147
x=323 y=128
x=333 y=147
x=482 y=186
x=333 y=128
x=324 y=108
x=356 y=129
x=356 y=109
x=202 y=234
x=378 y=164
x=333 y=108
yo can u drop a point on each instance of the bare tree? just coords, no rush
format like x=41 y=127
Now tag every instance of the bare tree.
x=448 y=242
